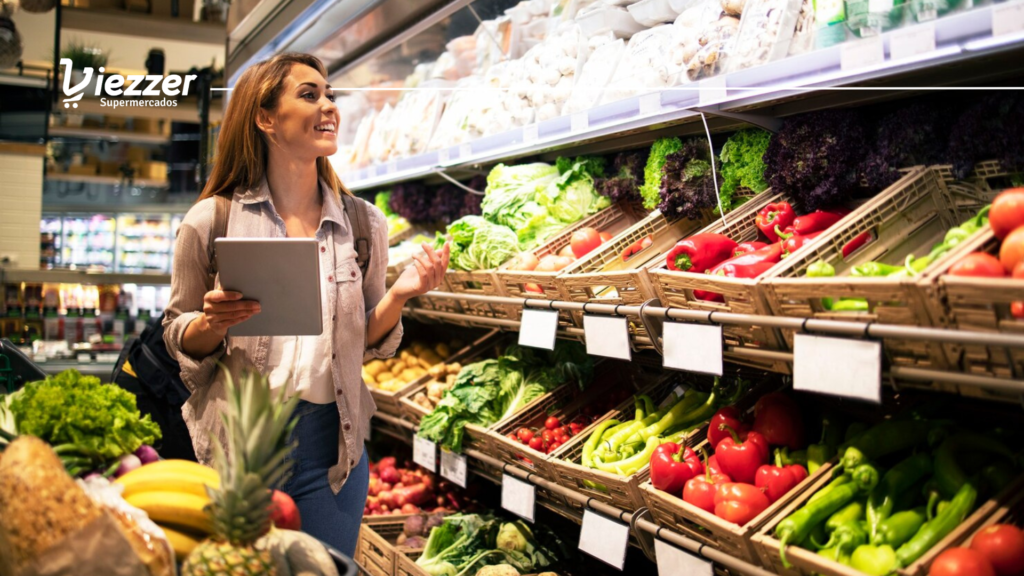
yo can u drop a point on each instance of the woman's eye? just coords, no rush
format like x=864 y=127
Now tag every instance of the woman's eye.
x=308 y=95
x=330 y=97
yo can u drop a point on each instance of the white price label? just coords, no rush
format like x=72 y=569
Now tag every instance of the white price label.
x=579 y=122
x=465 y=151
x=84 y=358
x=861 y=53
x=531 y=133
x=650 y=104
x=444 y=155
x=912 y=41
x=604 y=539
x=607 y=336
x=1007 y=18
x=712 y=90
x=371 y=172
x=424 y=453
x=693 y=347
x=518 y=497
x=538 y=328
x=838 y=366
x=453 y=467
x=672 y=561
x=392 y=166
x=879 y=6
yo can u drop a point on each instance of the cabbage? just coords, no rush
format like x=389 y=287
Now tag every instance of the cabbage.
x=510 y=190
x=478 y=245
x=572 y=197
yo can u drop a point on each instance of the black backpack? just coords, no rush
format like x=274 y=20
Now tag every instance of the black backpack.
x=155 y=376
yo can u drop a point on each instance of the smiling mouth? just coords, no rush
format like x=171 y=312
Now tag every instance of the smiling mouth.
x=325 y=127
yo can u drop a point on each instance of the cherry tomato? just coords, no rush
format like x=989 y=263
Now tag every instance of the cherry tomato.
x=524 y=434
x=567 y=430
x=548 y=435
x=511 y=436
x=605 y=236
x=961 y=562
x=584 y=240
x=537 y=443
x=551 y=423
x=553 y=446
x=576 y=427
x=1003 y=545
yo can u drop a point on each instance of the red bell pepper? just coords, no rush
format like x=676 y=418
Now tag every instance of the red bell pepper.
x=729 y=416
x=672 y=466
x=740 y=458
x=636 y=247
x=748 y=247
x=779 y=214
x=737 y=268
x=713 y=466
x=815 y=221
x=700 y=490
x=778 y=480
x=861 y=239
x=700 y=252
x=777 y=418
x=797 y=241
x=739 y=502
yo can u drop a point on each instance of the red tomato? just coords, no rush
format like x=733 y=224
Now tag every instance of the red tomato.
x=1017 y=309
x=537 y=443
x=1003 y=545
x=554 y=446
x=1012 y=251
x=548 y=435
x=584 y=240
x=551 y=423
x=567 y=252
x=567 y=430
x=512 y=436
x=525 y=261
x=605 y=236
x=577 y=427
x=1007 y=212
x=553 y=263
x=532 y=287
x=646 y=242
x=961 y=562
x=978 y=264
x=524 y=434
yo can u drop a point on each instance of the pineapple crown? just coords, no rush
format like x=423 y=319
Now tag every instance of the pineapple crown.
x=258 y=424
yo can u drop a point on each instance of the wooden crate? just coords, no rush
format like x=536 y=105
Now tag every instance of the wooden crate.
x=603 y=277
x=406 y=566
x=672 y=512
x=398 y=237
x=566 y=404
x=437 y=304
x=375 y=551
x=741 y=295
x=548 y=499
x=615 y=219
x=908 y=218
x=808 y=563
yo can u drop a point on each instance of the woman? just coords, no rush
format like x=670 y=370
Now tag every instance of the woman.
x=278 y=131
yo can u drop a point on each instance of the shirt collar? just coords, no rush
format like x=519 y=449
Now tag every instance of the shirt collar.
x=334 y=210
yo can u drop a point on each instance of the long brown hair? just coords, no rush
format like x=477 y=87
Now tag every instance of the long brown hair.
x=242 y=146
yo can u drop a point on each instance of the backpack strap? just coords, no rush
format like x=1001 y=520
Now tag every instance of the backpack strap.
x=359 y=216
x=221 y=215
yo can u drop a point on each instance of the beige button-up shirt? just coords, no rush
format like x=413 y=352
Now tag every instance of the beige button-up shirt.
x=346 y=316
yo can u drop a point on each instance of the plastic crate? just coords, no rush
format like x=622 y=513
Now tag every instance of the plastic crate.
x=908 y=218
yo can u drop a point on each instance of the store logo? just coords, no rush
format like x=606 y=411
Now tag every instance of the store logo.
x=115 y=85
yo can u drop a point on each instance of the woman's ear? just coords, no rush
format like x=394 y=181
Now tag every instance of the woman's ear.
x=264 y=121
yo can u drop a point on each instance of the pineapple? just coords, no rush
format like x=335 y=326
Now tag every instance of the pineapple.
x=258 y=425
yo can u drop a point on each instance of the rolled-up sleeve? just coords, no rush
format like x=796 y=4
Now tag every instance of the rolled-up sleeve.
x=374 y=287
x=188 y=287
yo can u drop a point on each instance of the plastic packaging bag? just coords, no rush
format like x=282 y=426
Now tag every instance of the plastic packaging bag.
x=147 y=540
x=765 y=33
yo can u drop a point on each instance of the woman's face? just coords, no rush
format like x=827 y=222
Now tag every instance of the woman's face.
x=305 y=120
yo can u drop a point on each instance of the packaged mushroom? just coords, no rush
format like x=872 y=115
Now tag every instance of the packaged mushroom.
x=550 y=68
x=644 y=67
x=594 y=78
x=705 y=34
x=804 y=33
x=765 y=33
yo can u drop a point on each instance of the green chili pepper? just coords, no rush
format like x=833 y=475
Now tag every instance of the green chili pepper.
x=789 y=458
x=949 y=475
x=837 y=481
x=898 y=479
x=852 y=512
x=847 y=536
x=822 y=269
x=938 y=527
x=632 y=464
x=888 y=437
x=900 y=527
x=874 y=560
x=850 y=305
x=595 y=438
x=798 y=525
x=853 y=430
x=998 y=476
x=835 y=555
x=874 y=269
x=825 y=449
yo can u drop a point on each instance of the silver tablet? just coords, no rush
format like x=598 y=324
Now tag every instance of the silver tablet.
x=282 y=274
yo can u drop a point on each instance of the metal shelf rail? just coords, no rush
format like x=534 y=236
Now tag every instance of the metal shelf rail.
x=827 y=327
x=635 y=519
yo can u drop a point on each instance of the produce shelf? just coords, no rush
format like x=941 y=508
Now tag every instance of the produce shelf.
x=81 y=277
x=109 y=135
x=965 y=48
x=110 y=180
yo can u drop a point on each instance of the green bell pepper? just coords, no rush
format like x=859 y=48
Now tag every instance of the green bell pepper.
x=874 y=560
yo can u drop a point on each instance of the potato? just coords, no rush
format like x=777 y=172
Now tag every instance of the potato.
x=438 y=371
x=428 y=359
x=411 y=374
x=367 y=377
x=443 y=350
x=393 y=385
x=454 y=368
x=375 y=367
x=408 y=357
x=384 y=377
x=418 y=347
x=450 y=380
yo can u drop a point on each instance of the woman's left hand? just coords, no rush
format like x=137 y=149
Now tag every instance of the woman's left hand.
x=425 y=273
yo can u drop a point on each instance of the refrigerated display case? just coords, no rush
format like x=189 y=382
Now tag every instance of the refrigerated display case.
x=123 y=243
x=144 y=242
x=87 y=240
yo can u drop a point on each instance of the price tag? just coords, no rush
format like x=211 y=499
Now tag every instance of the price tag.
x=84 y=358
x=693 y=347
x=838 y=366
x=531 y=133
x=861 y=53
x=537 y=330
x=712 y=90
x=444 y=155
x=424 y=453
x=1007 y=18
x=607 y=336
x=604 y=539
x=392 y=166
x=465 y=151
x=371 y=172
x=912 y=41
x=453 y=467
x=879 y=6
x=518 y=497
x=650 y=104
x=672 y=561
x=579 y=122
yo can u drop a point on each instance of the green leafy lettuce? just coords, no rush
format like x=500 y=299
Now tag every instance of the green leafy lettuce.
x=478 y=244
x=650 y=191
x=100 y=421
x=488 y=391
x=465 y=543
x=511 y=188
x=743 y=162
x=572 y=197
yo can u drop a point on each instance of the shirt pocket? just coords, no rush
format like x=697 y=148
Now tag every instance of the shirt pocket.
x=349 y=285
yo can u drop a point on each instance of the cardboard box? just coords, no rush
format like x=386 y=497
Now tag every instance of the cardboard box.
x=110 y=168
x=83 y=170
x=152 y=170
x=137 y=155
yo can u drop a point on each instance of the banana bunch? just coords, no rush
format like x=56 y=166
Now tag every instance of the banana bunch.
x=173 y=493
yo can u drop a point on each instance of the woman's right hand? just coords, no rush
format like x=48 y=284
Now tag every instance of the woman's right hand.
x=224 y=309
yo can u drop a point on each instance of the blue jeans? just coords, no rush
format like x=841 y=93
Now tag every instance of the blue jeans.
x=332 y=518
